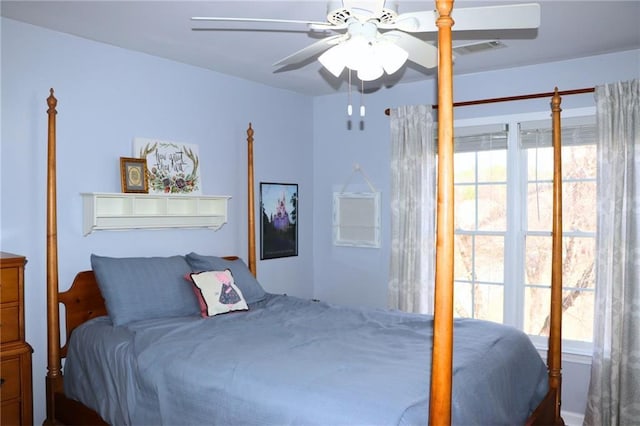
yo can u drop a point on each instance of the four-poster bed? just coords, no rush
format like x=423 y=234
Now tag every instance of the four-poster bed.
x=84 y=302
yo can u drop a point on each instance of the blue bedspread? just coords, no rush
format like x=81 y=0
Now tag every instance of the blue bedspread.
x=290 y=361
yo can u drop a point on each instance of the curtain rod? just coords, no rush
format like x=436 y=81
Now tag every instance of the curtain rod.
x=514 y=98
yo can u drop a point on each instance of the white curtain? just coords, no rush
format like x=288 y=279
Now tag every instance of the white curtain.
x=614 y=392
x=413 y=176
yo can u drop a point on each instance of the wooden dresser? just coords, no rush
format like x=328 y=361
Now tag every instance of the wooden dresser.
x=15 y=353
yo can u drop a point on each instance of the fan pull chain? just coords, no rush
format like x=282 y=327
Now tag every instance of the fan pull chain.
x=362 y=98
x=349 y=106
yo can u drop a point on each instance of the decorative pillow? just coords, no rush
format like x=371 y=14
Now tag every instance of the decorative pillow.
x=244 y=279
x=218 y=292
x=138 y=288
x=196 y=291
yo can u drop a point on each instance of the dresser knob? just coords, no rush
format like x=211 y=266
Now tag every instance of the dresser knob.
x=1 y=381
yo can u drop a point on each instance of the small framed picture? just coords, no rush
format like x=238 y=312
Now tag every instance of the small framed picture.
x=133 y=175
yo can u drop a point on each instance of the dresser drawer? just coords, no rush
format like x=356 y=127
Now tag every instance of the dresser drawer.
x=9 y=284
x=10 y=413
x=9 y=323
x=10 y=376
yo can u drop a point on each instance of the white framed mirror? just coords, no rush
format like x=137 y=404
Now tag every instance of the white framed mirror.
x=356 y=219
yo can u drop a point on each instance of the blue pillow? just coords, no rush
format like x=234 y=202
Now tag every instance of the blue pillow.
x=139 y=288
x=244 y=279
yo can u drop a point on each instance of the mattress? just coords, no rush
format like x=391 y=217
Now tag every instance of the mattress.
x=289 y=361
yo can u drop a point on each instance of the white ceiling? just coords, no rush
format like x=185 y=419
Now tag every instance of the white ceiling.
x=568 y=29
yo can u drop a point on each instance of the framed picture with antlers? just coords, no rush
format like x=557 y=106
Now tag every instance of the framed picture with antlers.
x=172 y=167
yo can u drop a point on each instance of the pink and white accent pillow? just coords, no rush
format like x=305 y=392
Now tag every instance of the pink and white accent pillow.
x=217 y=293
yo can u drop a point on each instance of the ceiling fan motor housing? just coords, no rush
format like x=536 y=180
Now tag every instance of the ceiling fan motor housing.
x=341 y=15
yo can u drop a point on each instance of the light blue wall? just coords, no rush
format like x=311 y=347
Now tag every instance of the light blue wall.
x=107 y=96
x=359 y=276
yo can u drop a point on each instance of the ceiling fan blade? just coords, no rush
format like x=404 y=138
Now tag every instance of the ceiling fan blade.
x=420 y=52
x=267 y=20
x=414 y=22
x=515 y=16
x=309 y=51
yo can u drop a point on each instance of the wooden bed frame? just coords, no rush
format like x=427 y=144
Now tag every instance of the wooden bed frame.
x=83 y=300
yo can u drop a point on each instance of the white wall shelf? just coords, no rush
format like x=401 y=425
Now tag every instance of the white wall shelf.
x=114 y=211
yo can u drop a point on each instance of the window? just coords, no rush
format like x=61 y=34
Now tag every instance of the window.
x=503 y=195
x=480 y=191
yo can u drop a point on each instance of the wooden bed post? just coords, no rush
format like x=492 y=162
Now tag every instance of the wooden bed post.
x=441 y=366
x=549 y=410
x=251 y=203
x=554 y=356
x=54 y=375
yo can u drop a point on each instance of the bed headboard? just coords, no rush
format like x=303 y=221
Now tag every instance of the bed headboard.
x=82 y=302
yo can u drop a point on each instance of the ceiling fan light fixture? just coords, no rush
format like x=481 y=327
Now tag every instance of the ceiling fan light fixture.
x=391 y=56
x=334 y=60
x=369 y=60
x=355 y=52
x=370 y=71
x=370 y=66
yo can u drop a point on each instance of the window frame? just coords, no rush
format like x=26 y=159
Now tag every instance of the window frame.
x=514 y=240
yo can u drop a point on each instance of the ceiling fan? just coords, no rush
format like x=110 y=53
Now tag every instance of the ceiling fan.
x=372 y=39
